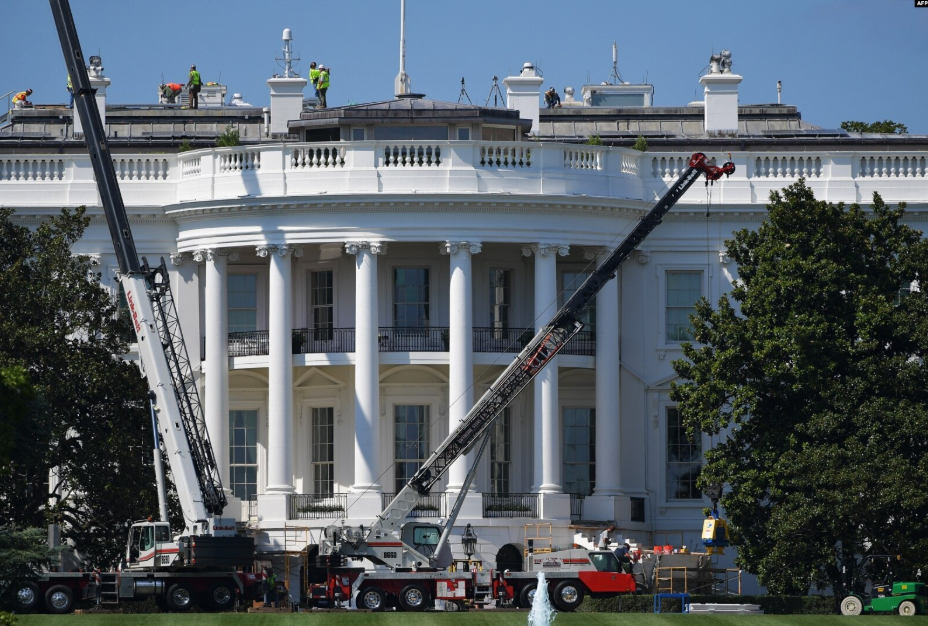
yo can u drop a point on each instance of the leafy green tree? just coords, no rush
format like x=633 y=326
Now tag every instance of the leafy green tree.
x=812 y=373
x=20 y=402
x=640 y=144
x=94 y=432
x=594 y=140
x=887 y=127
x=23 y=552
x=229 y=138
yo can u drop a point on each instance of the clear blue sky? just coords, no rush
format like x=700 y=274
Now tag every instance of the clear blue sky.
x=838 y=59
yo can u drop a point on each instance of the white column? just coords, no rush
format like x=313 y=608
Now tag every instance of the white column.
x=216 y=329
x=608 y=431
x=366 y=366
x=547 y=419
x=461 y=347
x=280 y=368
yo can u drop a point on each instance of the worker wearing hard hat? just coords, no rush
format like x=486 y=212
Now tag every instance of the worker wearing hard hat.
x=322 y=84
x=169 y=91
x=20 y=100
x=313 y=77
x=193 y=84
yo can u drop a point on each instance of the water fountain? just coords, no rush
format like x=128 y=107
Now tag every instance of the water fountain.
x=541 y=614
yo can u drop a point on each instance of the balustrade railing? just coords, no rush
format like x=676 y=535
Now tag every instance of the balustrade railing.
x=312 y=506
x=883 y=166
x=141 y=168
x=317 y=157
x=190 y=167
x=505 y=155
x=240 y=160
x=431 y=339
x=510 y=505
x=432 y=505
x=32 y=169
x=322 y=340
x=668 y=166
x=583 y=158
x=788 y=167
x=411 y=155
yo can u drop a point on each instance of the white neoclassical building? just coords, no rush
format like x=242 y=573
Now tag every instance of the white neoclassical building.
x=350 y=280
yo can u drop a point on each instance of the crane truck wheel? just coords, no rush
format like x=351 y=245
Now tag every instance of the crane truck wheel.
x=568 y=595
x=851 y=605
x=220 y=597
x=413 y=597
x=372 y=599
x=59 y=599
x=179 y=598
x=527 y=595
x=27 y=597
x=907 y=607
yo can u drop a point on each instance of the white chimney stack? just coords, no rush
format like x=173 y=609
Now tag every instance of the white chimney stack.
x=98 y=82
x=523 y=93
x=721 y=96
x=286 y=92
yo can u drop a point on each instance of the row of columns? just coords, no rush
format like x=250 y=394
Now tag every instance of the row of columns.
x=547 y=457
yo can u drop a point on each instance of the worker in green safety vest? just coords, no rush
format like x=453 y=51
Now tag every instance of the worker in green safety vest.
x=322 y=84
x=313 y=77
x=193 y=84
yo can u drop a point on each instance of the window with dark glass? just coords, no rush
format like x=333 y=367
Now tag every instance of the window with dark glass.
x=410 y=440
x=683 y=290
x=323 y=451
x=501 y=454
x=579 y=450
x=500 y=301
x=411 y=297
x=322 y=302
x=243 y=302
x=684 y=459
x=570 y=282
x=243 y=453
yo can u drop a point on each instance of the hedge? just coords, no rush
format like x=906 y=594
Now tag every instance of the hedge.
x=772 y=605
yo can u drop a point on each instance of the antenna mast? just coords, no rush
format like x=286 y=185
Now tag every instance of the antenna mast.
x=615 y=77
x=288 y=57
x=402 y=79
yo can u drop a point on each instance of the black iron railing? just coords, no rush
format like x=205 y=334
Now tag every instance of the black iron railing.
x=576 y=506
x=432 y=505
x=431 y=339
x=252 y=506
x=322 y=340
x=510 y=505
x=250 y=343
x=513 y=340
x=583 y=343
x=311 y=506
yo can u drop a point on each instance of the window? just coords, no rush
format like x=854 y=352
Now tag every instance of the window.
x=127 y=333
x=683 y=290
x=501 y=454
x=500 y=301
x=684 y=460
x=411 y=441
x=243 y=302
x=605 y=562
x=570 y=282
x=323 y=451
x=357 y=134
x=498 y=134
x=322 y=303
x=463 y=134
x=411 y=133
x=411 y=297
x=243 y=453
x=637 y=509
x=579 y=450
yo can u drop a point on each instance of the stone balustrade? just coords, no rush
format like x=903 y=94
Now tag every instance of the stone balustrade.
x=448 y=167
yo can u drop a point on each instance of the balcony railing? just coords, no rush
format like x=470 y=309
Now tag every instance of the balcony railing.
x=510 y=505
x=583 y=343
x=576 y=506
x=515 y=339
x=432 y=505
x=431 y=339
x=322 y=340
x=311 y=506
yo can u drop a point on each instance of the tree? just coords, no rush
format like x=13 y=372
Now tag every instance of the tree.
x=94 y=432
x=20 y=401
x=812 y=374
x=640 y=144
x=887 y=127
x=23 y=552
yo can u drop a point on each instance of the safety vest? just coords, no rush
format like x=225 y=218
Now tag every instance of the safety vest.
x=20 y=97
x=194 y=77
x=313 y=76
x=324 y=79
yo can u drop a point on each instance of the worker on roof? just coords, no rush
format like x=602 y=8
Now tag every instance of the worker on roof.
x=322 y=84
x=552 y=100
x=313 y=77
x=193 y=86
x=169 y=91
x=71 y=92
x=20 y=100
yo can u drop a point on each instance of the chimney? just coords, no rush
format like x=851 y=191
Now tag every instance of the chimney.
x=286 y=92
x=721 y=96
x=99 y=83
x=523 y=93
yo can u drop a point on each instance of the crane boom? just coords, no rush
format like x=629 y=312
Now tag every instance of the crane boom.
x=534 y=357
x=154 y=316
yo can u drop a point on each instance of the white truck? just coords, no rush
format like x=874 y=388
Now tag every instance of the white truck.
x=197 y=563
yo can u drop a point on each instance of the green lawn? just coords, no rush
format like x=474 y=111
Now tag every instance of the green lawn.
x=489 y=618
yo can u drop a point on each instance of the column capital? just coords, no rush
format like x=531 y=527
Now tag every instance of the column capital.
x=543 y=249
x=452 y=247
x=591 y=252
x=375 y=247
x=178 y=258
x=206 y=254
x=644 y=256
x=724 y=257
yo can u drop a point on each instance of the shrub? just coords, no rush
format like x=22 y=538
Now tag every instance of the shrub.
x=771 y=605
x=640 y=144
x=594 y=140
x=185 y=146
x=229 y=138
x=7 y=619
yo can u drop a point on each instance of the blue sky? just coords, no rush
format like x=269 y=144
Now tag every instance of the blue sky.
x=838 y=59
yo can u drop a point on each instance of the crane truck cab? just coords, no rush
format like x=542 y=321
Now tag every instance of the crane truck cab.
x=150 y=546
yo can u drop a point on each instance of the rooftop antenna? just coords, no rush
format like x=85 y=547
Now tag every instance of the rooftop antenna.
x=779 y=90
x=402 y=84
x=463 y=93
x=615 y=77
x=495 y=93
x=288 y=57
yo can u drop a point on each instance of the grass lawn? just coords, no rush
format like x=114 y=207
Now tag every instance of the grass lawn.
x=489 y=618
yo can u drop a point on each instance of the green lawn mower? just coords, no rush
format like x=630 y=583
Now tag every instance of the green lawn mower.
x=886 y=596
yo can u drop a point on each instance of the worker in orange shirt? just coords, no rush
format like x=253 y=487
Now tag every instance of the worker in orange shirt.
x=20 y=100
x=169 y=92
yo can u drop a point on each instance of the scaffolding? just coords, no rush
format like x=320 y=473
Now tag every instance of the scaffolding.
x=540 y=536
x=296 y=556
x=700 y=580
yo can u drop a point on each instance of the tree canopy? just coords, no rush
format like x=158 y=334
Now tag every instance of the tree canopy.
x=887 y=127
x=23 y=552
x=91 y=428
x=811 y=372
